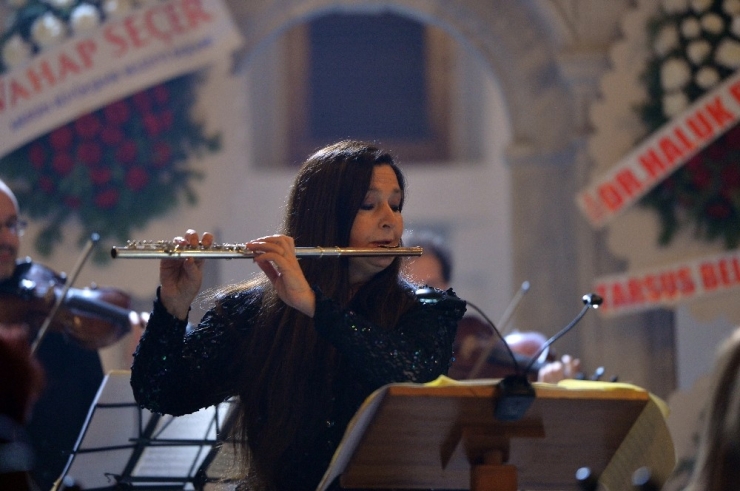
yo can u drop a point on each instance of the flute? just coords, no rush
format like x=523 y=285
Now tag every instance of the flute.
x=163 y=249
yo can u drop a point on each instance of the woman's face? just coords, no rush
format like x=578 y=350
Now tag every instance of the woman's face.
x=378 y=223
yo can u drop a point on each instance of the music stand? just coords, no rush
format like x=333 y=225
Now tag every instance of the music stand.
x=122 y=446
x=445 y=436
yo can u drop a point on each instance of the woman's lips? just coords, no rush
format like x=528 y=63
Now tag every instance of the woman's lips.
x=6 y=253
x=384 y=243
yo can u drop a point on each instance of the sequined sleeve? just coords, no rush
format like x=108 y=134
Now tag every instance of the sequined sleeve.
x=418 y=349
x=175 y=372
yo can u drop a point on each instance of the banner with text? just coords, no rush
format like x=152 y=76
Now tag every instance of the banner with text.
x=122 y=57
x=663 y=152
x=669 y=285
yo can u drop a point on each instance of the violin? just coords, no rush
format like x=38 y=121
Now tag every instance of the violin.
x=93 y=317
x=473 y=335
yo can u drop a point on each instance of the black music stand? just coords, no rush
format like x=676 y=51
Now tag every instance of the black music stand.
x=122 y=446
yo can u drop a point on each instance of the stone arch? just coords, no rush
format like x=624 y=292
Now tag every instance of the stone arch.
x=507 y=36
x=547 y=66
x=511 y=38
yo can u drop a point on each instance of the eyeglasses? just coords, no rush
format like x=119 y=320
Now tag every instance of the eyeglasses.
x=15 y=226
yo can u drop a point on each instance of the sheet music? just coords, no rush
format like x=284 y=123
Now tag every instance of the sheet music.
x=645 y=445
x=181 y=460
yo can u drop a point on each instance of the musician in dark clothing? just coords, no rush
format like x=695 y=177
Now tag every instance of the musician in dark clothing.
x=20 y=386
x=73 y=374
x=304 y=344
x=73 y=377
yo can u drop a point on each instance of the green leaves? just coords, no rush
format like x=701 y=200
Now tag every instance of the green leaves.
x=114 y=169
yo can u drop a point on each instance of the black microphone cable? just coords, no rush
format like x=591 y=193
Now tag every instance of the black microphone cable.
x=591 y=301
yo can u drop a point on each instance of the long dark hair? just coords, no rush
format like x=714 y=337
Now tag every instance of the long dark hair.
x=287 y=369
x=719 y=451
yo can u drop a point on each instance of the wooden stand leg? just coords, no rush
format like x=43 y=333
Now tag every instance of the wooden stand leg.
x=493 y=474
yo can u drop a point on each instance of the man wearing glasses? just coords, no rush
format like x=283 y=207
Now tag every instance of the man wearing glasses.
x=11 y=231
x=73 y=374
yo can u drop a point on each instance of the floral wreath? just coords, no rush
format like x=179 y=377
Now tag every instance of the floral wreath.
x=694 y=45
x=115 y=168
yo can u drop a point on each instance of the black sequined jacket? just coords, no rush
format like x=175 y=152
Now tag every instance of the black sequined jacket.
x=176 y=373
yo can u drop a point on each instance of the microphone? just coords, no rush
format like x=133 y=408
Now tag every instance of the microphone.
x=590 y=301
x=516 y=393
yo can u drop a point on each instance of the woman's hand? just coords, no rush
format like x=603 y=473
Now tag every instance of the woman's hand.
x=180 y=279
x=275 y=255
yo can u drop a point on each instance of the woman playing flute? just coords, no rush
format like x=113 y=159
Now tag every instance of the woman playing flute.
x=306 y=342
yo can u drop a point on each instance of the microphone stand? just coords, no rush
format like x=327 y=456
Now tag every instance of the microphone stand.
x=515 y=392
x=590 y=300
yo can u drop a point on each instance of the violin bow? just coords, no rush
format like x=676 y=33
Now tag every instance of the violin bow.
x=505 y=318
x=81 y=260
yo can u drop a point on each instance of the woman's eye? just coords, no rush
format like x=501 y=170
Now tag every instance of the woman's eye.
x=366 y=206
x=396 y=207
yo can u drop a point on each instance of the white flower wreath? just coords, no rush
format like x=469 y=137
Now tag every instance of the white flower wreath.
x=618 y=127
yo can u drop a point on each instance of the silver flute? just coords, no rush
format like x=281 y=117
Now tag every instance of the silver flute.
x=164 y=249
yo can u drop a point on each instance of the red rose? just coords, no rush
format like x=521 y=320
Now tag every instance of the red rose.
x=62 y=163
x=733 y=137
x=37 y=155
x=101 y=175
x=72 y=201
x=87 y=126
x=718 y=211
x=106 y=199
x=111 y=135
x=89 y=153
x=46 y=184
x=61 y=138
x=142 y=101
x=165 y=120
x=151 y=124
x=162 y=154
x=701 y=177
x=730 y=175
x=126 y=152
x=117 y=112
x=136 y=178
x=695 y=162
x=160 y=94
